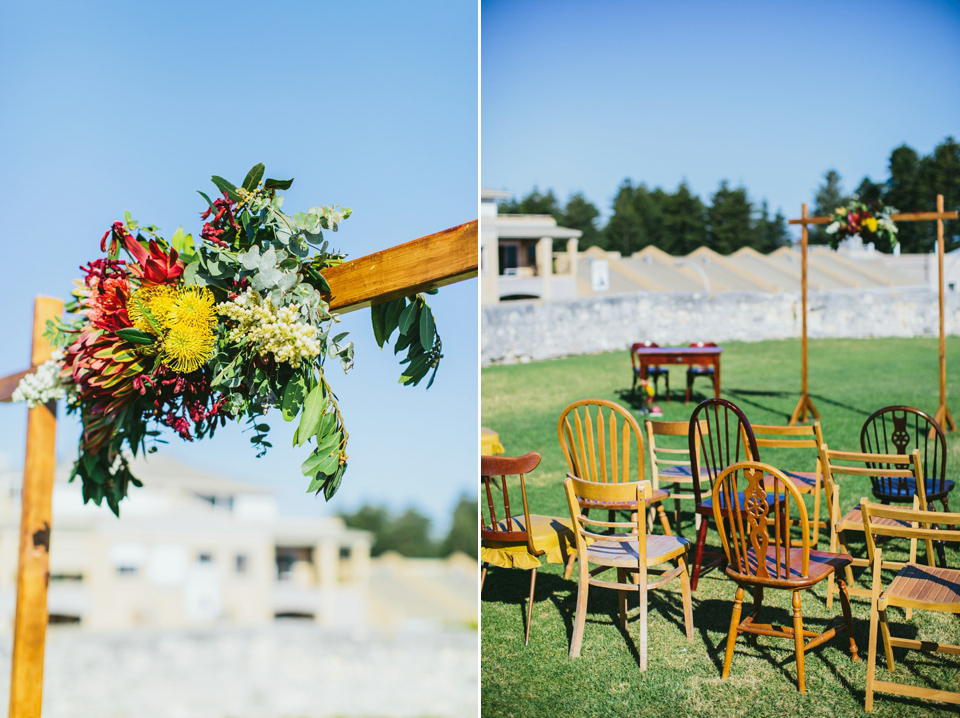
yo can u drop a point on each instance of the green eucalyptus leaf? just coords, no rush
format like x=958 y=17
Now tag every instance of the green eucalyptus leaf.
x=334 y=483
x=135 y=336
x=226 y=187
x=313 y=407
x=293 y=396
x=253 y=177
x=378 y=314
x=407 y=317
x=426 y=328
x=277 y=184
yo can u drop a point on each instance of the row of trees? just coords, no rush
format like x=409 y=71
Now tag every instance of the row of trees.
x=408 y=533
x=913 y=183
x=679 y=222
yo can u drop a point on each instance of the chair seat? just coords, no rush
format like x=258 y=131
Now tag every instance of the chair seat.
x=854 y=520
x=822 y=564
x=932 y=487
x=623 y=551
x=655 y=497
x=805 y=481
x=651 y=370
x=682 y=472
x=912 y=587
x=554 y=536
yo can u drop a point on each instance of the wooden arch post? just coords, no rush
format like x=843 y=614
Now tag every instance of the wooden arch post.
x=943 y=416
x=426 y=263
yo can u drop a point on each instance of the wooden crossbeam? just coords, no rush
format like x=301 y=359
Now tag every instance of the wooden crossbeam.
x=903 y=217
x=426 y=263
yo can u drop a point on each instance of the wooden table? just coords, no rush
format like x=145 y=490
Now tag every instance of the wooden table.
x=691 y=356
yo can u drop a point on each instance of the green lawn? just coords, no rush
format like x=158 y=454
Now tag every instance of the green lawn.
x=848 y=380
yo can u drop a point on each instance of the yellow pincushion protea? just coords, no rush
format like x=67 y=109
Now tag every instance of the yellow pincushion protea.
x=189 y=340
x=157 y=300
x=193 y=306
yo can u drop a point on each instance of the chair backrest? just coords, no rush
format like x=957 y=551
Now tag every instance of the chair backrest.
x=702 y=344
x=882 y=469
x=899 y=430
x=728 y=439
x=923 y=525
x=634 y=359
x=673 y=459
x=793 y=439
x=590 y=528
x=601 y=441
x=751 y=528
x=508 y=526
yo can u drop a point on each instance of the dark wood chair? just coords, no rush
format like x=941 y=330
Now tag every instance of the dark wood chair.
x=926 y=588
x=653 y=372
x=517 y=538
x=695 y=371
x=900 y=430
x=719 y=435
x=627 y=547
x=756 y=537
x=602 y=442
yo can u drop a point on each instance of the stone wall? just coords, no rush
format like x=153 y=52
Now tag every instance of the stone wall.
x=521 y=331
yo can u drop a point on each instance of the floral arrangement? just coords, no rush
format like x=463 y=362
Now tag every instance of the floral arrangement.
x=189 y=336
x=645 y=395
x=870 y=222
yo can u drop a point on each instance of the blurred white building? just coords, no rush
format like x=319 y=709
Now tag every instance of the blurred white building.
x=192 y=549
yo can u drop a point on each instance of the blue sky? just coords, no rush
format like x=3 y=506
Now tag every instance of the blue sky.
x=769 y=95
x=110 y=106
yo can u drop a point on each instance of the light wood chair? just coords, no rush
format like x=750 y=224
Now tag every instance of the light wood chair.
x=776 y=441
x=519 y=539
x=926 y=588
x=602 y=442
x=671 y=465
x=875 y=466
x=753 y=504
x=629 y=549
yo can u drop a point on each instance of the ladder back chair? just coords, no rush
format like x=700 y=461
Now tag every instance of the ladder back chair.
x=899 y=430
x=877 y=467
x=602 y=442
x=671 y=465
x=718 y=436
x=694 y=371
x=756 y=538
x=641 y=371
x=628 y=549
x=776 y=441
x=513 y=537
x=926 y=588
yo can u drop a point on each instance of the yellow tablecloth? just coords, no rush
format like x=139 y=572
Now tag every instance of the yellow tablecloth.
x=550 y=534
x=490 y=442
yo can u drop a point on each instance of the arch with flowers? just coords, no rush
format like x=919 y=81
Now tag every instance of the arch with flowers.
x=189 y=335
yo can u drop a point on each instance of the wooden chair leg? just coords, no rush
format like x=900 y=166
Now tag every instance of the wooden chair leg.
x=798 y=641
x=533 y=585
x=622 y=598
x=568 y=570
x=732 y=633
x=698 y=553
x=583 y=587
x=871 y=655
x=643 y=619
x=848 y=619
x=687 y=602
x=483 y=576
x=663 y=520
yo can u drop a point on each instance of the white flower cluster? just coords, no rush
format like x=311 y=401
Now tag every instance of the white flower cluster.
x=270 y=330
x=44 y=384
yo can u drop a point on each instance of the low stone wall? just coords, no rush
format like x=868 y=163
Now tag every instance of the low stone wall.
x=521 y=331
x=296 y=670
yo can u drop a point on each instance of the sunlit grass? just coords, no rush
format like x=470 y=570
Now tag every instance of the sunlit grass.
x=848 y=380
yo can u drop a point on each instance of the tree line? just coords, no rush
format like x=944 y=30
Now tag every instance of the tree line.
x=408 y=533
x=678 y=222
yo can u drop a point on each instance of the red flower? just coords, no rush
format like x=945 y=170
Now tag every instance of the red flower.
x=155 y=266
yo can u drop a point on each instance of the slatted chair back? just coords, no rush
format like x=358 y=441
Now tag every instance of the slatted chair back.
x=670 y=462
x=601 y=442
x=900 y=430
x=915 y=586
x=796 y=447
x=718 y=436
x=882 y=470
x=504 y=523
x=755 y=533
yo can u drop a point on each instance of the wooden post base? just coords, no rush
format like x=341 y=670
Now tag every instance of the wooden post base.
x=800 y=413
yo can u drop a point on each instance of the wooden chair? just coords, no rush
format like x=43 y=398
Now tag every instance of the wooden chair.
x=755 y=533
x=518 y=540
x=899 y=430
x=629 y=549
x=670 y=465
x=718 y=436
x=694 y=371
x=877 y=467
x=777 y=440
x=602 y=442
x=654 y=372
x=927 y=588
